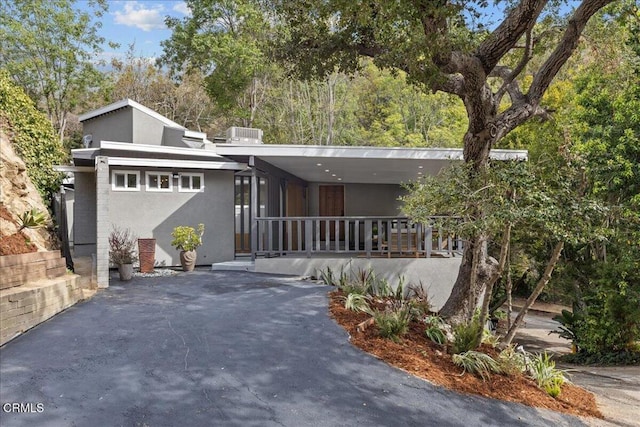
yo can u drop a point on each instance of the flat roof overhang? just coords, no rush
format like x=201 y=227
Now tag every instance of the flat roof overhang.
x=373 y=165
x=140 y=155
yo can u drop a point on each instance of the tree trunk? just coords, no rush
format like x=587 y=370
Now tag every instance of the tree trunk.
x=475 y=271
x=555 y=256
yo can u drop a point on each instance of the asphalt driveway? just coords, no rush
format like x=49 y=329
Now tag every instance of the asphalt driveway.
x=221 y=348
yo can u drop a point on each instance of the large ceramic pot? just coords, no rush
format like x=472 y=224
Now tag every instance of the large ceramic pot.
x=125 y=271
x=188 y=260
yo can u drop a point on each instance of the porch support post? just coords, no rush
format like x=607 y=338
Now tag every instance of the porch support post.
x=254 y=208
x=102 y=221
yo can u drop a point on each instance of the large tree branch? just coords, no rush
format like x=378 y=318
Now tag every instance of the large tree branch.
x=565 y=48
x=510 y=77
x=503 y=38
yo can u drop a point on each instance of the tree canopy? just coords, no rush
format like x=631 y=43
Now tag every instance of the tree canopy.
x=47 y=47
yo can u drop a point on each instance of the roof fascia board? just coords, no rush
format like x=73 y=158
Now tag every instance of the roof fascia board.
x=175 y=164
x=158 y=149
x=129 y=103
x=359 y=152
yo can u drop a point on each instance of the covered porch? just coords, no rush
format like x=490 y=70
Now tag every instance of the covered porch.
x=323 y=201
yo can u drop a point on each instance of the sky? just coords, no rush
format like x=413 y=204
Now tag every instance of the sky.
x=140 y=22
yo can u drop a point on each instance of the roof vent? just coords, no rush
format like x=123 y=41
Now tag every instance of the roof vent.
x=238 y=135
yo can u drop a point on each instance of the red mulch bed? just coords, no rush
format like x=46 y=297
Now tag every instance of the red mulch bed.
x=421 y=357
x=16 y=243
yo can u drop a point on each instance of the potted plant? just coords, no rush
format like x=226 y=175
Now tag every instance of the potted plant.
x=187 y=239
x=122 y=251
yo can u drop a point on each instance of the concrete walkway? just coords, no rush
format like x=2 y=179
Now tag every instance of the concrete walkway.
x=221 y=348
x=617 y=389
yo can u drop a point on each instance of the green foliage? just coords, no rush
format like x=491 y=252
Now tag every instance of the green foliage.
x=186 y=238
x=393 y=323
x=467 y=337
x=32 y=219
x=48 y=47
x=626 y=357
x=122 y=246
x=511 y=361
x=357 y=302
x=477 y=363
x=33 y=137
x=435 y=329
x=543 y=370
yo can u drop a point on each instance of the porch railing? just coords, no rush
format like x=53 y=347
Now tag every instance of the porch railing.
x=353 y=236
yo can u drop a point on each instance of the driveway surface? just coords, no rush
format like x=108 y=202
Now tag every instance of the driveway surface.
x=221 y=348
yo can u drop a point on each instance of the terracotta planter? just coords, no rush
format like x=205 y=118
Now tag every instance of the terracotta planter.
x=147 y=254
x=125 y=271
x=188 y=260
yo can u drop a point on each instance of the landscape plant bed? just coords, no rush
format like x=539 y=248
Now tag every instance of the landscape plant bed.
x=420 y=356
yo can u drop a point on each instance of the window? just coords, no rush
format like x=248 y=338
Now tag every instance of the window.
x=159 y=181
x=125 y=181
x=191 y=182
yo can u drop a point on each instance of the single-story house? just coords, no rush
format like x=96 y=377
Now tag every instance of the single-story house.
x=291 y=208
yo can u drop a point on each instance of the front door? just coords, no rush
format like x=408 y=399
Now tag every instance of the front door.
x=331 y=203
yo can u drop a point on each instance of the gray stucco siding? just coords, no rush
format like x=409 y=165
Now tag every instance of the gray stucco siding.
x=152 y=214
x=146 y=129
x=84 y=214
x=114 y=126
x=363 y=199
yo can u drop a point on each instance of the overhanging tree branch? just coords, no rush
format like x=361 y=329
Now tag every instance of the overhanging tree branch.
x=565 y=48
x=503 y=38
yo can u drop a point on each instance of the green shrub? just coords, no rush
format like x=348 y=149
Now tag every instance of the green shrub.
x=436 y=335
x=32 y=219
x=34 y=139
x=511 y=361
x=186 y=238
x=435 y=329
x=543 y=370
x=357 y=302
x=477 y=363
x=466 y=337
x=393 y=323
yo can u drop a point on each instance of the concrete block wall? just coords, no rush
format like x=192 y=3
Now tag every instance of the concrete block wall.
x=33 y=288
x=23 y=307
x=16 y=270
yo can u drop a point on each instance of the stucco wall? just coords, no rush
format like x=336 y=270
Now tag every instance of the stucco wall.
x=155 y=214
x=146 y=129
x=84 y=214
x=435 y=275
x=115 y=126
x=363 y=199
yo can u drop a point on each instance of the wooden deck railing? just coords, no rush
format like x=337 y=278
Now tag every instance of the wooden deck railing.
x=352 y=236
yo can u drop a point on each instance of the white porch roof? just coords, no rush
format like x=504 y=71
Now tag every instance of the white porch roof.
x=345 y=164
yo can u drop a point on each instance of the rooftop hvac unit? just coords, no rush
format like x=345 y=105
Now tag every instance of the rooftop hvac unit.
x=238 y=135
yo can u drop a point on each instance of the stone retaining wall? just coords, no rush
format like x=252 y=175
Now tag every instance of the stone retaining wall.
x=33 y=288
x=16 y=270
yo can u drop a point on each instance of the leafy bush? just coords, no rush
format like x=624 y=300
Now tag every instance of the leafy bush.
x=393 y=323
x=34 y=138
x=122 y=246
x=466 y=337
x=511 y=361
x=32 y=219
x=186 y=238
x=477 y=363
x=435 y=329
x=357 y=302
x=543 y=370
